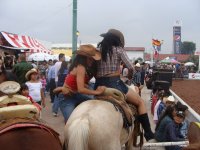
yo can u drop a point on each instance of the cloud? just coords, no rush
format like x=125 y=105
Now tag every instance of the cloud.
x=51 y=20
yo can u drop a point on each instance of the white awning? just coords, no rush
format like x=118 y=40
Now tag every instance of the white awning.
x=25 y=42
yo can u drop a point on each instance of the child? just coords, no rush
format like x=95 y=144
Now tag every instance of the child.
x=35 y=87
x=160 y=98
x=25 y=92
x=43 y=81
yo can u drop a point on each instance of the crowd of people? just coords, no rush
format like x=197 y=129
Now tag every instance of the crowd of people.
x=68 y=84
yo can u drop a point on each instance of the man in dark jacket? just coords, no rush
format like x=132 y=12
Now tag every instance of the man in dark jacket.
x=21 y=68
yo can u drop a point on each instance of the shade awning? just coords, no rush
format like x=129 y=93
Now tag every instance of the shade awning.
x=25 y=42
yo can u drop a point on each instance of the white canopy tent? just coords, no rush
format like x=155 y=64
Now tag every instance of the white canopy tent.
x=55 y=57
x=39 y=57
x=189 y=64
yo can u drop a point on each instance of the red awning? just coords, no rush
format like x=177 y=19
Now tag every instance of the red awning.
x=25 y=42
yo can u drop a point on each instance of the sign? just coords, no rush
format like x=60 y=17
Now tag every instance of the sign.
x=194 y=76
x=197 y=53
x=177 y=39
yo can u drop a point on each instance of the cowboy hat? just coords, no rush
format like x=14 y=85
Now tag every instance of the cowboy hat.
x=116 y=33
x=137 y=65
x=180 y=114
x=30 y=72
x=9 y=87
x=171 y=99
x=89 y=51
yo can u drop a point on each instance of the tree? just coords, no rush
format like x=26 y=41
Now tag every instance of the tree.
x=188 y=47
x=140 y=59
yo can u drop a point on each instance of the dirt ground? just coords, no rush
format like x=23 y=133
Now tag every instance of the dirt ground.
x=189 y=91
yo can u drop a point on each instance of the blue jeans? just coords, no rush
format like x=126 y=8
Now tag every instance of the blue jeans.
x=68 y=103
x=56 y=103
x=112 y=82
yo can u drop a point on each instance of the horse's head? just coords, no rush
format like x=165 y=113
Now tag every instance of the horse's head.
x=118 y=95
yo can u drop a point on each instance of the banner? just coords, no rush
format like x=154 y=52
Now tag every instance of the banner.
x=194 y=76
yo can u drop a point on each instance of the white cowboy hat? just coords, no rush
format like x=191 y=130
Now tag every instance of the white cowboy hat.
x=171 y=99
x=137 y=65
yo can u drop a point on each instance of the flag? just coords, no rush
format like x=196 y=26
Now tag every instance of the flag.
x=156 y=42
x=156 y=54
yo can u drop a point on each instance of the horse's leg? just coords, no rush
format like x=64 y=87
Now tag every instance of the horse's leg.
x=112 y=146
x=129 y=144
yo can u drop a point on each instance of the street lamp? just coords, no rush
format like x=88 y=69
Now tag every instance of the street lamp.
x=77 y=34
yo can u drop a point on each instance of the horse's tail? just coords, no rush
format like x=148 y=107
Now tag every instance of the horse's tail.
x=78 y=134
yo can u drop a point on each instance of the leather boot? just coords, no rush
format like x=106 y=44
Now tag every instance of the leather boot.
x=144 y=120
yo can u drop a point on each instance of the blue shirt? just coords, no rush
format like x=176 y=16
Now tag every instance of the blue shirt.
x=160 y=131
x=173 y=135
x=51 y=73
x=161 y=107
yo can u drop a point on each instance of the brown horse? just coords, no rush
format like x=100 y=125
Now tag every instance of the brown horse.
x=27 y=135
x=194 y=136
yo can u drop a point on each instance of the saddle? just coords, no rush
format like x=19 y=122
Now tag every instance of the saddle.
x=13 y=105
x=17 y=106
x=118 y=100
x=128 y=112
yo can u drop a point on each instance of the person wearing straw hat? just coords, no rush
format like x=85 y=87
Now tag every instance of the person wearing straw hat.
x=82 y=69
x=108 y=73
x=35 y=87
x=165 y=103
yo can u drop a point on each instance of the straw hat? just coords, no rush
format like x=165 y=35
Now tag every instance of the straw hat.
x=9 y=87
x=89 y=51
x=116 y=33
x=137 y=65
x=30 y=72
x=171 y=99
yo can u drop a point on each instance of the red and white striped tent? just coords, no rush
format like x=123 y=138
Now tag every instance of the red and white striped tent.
x=24 y=42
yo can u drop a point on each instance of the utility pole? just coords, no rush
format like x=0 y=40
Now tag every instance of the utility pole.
x=74 y=27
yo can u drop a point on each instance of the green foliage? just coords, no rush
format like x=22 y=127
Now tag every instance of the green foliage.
x=140 y=59
x=188 y=47
x=195 y=60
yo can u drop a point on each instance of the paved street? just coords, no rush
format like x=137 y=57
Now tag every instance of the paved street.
x=57 y=123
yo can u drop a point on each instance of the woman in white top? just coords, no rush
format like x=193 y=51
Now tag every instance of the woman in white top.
x=35 y=87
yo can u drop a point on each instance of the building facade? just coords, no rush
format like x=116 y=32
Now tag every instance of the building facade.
x=177 y=37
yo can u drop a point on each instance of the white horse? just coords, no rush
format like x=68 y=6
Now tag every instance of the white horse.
x=96 y=125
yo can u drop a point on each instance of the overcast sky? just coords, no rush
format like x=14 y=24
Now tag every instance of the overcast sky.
x=139 y=20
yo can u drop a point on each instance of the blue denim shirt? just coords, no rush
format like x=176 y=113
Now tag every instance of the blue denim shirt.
x=160 y=131
x=173 y=135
